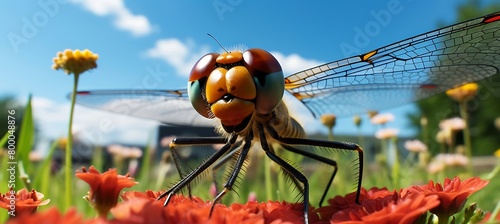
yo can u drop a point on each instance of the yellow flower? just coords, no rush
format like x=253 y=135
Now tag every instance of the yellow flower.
x=372 y=113
x=357 y=120
x=497 y=153
x=328 y=120
x=75 y=62
x=463 y=93
x=62 y=142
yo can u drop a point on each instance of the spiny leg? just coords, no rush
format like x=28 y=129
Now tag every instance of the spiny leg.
x=228 y=186
x=327 y=144
x=190 y=141
x=222 y=161
x=288 y=168
x=312 y=156
x=202 y=167
x=321 y=159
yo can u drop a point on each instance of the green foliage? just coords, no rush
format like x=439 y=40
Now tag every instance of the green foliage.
x=10 y=103
x=26 y=137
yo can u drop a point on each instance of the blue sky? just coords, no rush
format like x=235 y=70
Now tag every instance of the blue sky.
x=154 y=46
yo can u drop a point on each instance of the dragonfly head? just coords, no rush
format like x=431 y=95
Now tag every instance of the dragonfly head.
x=233 y=85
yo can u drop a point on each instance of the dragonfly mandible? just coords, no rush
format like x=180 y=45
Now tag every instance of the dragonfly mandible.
x=242 y=92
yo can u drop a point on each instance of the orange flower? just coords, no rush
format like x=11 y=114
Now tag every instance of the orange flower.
x=339 y=203
x=53 y=216
x=453 y=193
x=25 y=201
x=104 y=188
x=142 y=207
x=389 y=209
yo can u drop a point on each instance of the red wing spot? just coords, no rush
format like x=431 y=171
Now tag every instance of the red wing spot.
x=492 y=18
x=428 y=86
x=84 y=93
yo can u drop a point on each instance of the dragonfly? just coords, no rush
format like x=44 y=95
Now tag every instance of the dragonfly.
x=241 y=94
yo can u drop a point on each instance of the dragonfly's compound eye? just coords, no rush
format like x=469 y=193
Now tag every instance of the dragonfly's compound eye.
x=197 y=80
x=268 y=78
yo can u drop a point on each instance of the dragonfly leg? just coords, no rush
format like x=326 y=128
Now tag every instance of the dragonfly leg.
x=296 y=174
x=222 y=161
x=203 y=166
x=318 y=158
x=240 y=161
x=185 y=141
x=287 y=142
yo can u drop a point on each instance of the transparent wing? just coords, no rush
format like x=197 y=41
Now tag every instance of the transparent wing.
x=167 y=106
x=402 y=72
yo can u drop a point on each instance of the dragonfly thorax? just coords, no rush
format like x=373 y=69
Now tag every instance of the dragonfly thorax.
x=232 y=86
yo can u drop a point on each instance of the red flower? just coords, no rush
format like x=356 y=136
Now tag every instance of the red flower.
x=453 y=193
x=179 y=210
x=104 y=188
x=53 y=216
x=25 y=201
x=389 y=209
x=339 y=203
x=149 y=194
x=142 y=207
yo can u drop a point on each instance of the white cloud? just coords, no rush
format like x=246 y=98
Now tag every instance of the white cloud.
x=294 y=62
x=91 y=126
x=138 y=25
x=182 y=56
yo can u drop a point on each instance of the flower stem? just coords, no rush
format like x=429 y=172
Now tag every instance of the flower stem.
x=395 y=163
x=494 y=213
x=330 y=134
x=24 y=176
x=443 y=219
x=267 y=176
x=69 y=147
x=466 y=133
x=494 y=172
x=361 y=139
